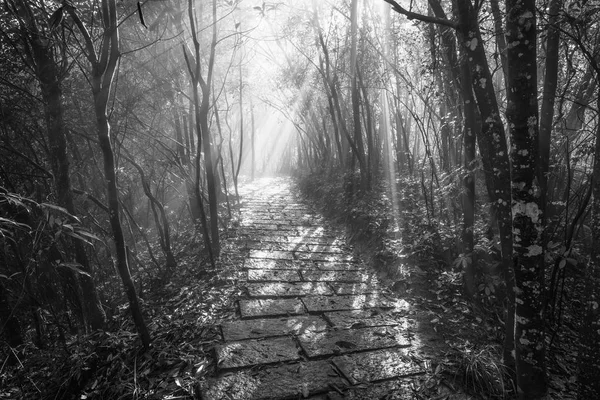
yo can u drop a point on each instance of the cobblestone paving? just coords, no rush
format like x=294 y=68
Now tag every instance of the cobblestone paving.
x=314 y=322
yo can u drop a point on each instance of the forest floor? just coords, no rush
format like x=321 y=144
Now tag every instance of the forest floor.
x=298 y=306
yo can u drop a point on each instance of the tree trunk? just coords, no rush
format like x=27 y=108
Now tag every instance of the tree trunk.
x=103 y=70
x=49 y=77
x=494 y=151
x=522 y=117
x=589 y=349
x=549 y=95
x=470 y=130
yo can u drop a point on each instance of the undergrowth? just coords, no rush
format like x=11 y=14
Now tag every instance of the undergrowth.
x=111 y=364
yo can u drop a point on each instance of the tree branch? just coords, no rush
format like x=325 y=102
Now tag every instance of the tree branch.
x=425 y=18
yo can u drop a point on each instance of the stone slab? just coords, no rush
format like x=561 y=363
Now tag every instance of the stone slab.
x=288 y=246
x=258 y=263
x=271 y=228
x=258 y=328
x=272 y=275
x=366 y=318
x=270 y=308
x=272 y=254
x=292 y=239
x=337 y=276
x=298 y=255
x=316 y=232
x=290 y=381
x=377 y=365
x=337 y=266
x=285 y=289
x=323 y=257
x=398 y=389
x=265 y=219
x=354 y=288
x=256 y=352
x=317 y=344
x=341 y=303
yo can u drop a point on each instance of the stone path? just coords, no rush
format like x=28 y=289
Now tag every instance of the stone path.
x=314 y=322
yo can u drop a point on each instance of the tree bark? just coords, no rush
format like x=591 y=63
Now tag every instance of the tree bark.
x=549 y=95
x=589 y=349
x=470 y=129
x=494 y=152
x=522 y=117
x=103 y=71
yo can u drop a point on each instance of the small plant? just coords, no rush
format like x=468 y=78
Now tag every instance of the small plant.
x=480 y=371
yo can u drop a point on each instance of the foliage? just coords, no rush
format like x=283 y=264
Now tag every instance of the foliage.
x=110 y=364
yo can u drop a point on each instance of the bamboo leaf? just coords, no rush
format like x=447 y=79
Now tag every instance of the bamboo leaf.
x=75 y=267
x=141 y=14
x=56 y=18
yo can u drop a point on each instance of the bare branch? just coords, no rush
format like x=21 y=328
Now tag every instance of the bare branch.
x=425 y=18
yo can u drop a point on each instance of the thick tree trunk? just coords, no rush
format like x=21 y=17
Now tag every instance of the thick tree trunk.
x=494 y=152
x=589 y=349
x=522 y=117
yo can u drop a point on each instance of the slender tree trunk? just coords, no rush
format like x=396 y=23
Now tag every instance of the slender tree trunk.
x=252 y=140
x=103 y=71
x=522 y=116
x=500 y=39
x=589 y=349
x=549 y=95
x=470 y=130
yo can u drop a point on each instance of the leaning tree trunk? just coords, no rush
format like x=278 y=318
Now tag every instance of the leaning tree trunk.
x=494 y=152
x=528 y=251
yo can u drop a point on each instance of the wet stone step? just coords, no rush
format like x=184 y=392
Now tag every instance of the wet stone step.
x=290 y=381
x=272 y=254
x=270 y=227
x=378 y=365
x=258 y=328
x=355 y=288
x=398 y=389
x=299 y=255
x=265 y=220
x=284 y=289
x=338 y=276
x=366 y=318
x=317 y=344
x=273 y=275
x=296 y=215
x=255 y=352
x=297 y=239
x=324 y=257
x=258 y=263
x=305 y=247
x=319 y=304
x=270 y=307
x=337 y=266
